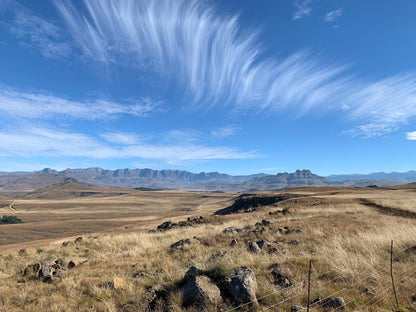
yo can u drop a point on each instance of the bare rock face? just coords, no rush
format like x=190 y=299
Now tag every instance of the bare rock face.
x=199 y=291
x=243 y=286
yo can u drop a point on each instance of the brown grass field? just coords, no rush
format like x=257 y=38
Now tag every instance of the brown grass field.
x=345 y=231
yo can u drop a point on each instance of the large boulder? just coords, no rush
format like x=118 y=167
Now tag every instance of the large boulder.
x=242 y=287
x=199 y=291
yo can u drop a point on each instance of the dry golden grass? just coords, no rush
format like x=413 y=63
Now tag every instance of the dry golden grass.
x=349 y=245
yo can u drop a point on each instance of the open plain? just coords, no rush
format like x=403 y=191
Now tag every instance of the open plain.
x=118 y=265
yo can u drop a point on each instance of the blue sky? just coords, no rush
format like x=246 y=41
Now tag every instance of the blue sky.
x=233 y=86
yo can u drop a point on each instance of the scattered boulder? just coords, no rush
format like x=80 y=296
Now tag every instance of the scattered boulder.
x=253 y=247
x=32 y=270
x=168 y=225
x=261 y=243
x=282 y=275
x=46 y=274
x=78 y=239
x=179 y=245
x=217 y=255
x=199 y=291
x=285 y=230
x=67 y=244
x=243 y=286
x=62 y=262
x=74 y=263
x=234 y=243
x=27 y=251
x=296 y=308
x=337 y=303
x=264 y=223
x=157 y=297
x=232 y=229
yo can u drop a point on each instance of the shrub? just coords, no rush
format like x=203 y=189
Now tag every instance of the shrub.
x=10 y=220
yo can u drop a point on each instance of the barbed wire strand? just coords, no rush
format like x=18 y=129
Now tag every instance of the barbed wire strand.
x=379 y=287
x=381 y=294
x=331 y=295
x=286 y=289
x=390 y=287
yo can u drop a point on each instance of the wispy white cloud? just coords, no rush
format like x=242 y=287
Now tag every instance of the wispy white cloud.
x=35 y=141
x=381 y=106
x=212 y=60
x=303 y=9
x=40 y=105
x=121 y=138
x=411 y=135
x=189 y=136
x=223 y=132
x=330 y=17
x=33 y=31
x=208 y=55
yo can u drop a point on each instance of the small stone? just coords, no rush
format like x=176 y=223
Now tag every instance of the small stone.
x=67 y=244
x=296 y=308
x=117 y=283
x=179 y=245
x=261 y=243
x=294 y=242
x=73 y=264
x=253 y=247
x=62 y=262
x=232 y=229
x=337 y=303
x=282 y=276
x=233 y=243
x=78 y=240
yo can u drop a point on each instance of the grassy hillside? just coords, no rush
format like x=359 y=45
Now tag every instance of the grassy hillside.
x=347 y=240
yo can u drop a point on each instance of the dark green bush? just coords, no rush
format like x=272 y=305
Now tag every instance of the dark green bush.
x=10 y=220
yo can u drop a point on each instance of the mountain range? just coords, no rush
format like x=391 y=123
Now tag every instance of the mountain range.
x=177 y=179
